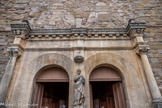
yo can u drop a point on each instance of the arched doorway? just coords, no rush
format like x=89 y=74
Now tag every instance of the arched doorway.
x=51 y=89
x=106 y=88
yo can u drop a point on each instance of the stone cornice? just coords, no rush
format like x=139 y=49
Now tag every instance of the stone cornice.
x=135 y=28
x=21 y=30
x=24 y=31
x=79 y=31
x=138 y=26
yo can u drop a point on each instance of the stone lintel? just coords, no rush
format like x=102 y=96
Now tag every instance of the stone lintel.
x=79 y=48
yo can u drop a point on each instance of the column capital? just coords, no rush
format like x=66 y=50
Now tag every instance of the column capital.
x=142 y=49
x=14 y=51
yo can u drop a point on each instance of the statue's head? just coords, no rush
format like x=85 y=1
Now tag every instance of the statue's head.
x=78 y=71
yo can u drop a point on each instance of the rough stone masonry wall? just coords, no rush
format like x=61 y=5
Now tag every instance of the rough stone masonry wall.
x=5 y=39
x=85 y=13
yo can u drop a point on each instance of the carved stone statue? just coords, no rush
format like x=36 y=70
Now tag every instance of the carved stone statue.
x=79 y=90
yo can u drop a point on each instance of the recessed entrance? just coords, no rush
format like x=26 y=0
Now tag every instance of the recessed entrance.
x=106 y=88
x=55 y=95
x=51 y=89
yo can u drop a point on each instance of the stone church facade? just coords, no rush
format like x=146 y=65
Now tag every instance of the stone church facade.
x=116 y=46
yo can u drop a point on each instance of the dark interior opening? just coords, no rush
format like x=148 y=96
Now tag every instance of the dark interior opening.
x=103 y=94
x=55 y=94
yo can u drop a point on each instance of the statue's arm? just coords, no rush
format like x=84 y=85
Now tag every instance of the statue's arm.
x=83 y=80
x=76 y=78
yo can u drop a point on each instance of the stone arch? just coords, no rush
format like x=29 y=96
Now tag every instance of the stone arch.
x=41 y=70
x=116 y=62
x=29 y=69
x=105 y=72
x=45 y=61
x=111 y=60
x=48 y=60
x=52 y=73
x=33 y=67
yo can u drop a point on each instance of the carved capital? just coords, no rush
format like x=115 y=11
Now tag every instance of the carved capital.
x=24 y=34
x=139 y=30
x=142 y=49
x=14 y=51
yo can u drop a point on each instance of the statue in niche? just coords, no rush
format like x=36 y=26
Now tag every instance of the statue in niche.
x=79 y=98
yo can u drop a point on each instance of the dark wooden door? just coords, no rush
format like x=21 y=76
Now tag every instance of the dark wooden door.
x=38 y=95
x=119 y=95
x=51 y=88
x=107 y=90
x=91 y=94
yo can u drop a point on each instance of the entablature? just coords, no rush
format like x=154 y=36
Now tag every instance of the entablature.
x=24 y=31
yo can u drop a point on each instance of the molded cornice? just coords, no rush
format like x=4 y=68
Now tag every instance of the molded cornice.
x=24 y=31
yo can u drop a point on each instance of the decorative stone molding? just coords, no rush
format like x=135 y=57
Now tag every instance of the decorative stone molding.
x=142 y=49
x=79 y=33
x=21 y=30
x=14 y=51
x=80 y=36
x=24 y=31
x=139 y=31
x=135 y=27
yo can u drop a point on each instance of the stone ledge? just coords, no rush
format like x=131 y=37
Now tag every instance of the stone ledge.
x=76 y=48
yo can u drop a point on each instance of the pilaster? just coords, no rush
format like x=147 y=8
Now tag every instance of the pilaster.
x=141 y=48
x=14 y=53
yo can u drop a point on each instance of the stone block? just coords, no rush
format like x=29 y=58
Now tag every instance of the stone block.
x=157 y=55
x=150 y=55
x=22 y=1
x=154 y=60
x=160 y=51
x=3 y=43
x=103 y=18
